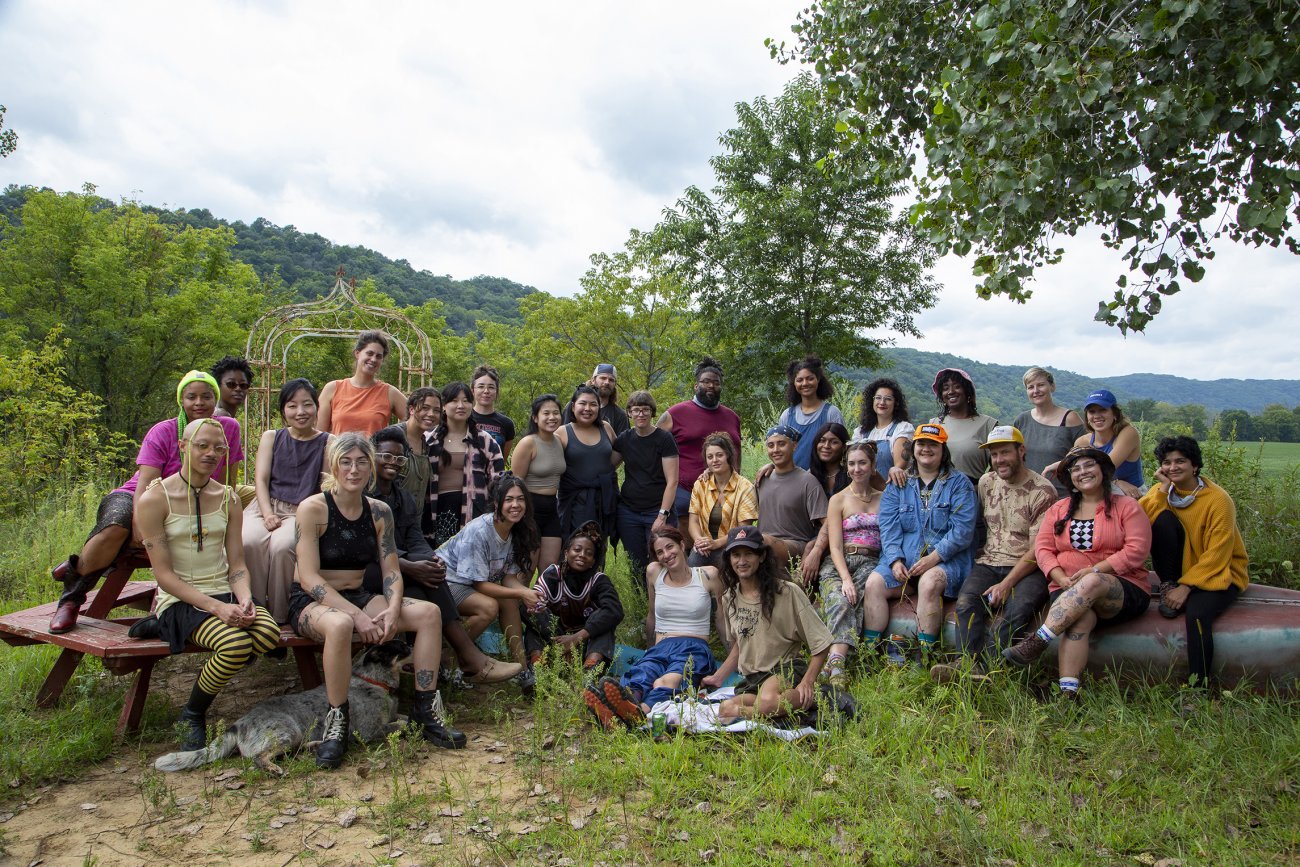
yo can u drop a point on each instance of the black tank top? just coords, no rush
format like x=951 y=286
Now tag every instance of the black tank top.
x=350 y=545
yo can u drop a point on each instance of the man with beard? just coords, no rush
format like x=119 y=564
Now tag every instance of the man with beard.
x=605 y=380
x=690 y=422
x=1013 y=499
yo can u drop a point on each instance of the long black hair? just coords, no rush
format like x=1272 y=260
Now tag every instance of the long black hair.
x=538 y=403
x=817 y=468
x=586 y=389
x=1076 y=495
x=768 y=576
x=450 y=392
x=524 y=536
x=868 y=421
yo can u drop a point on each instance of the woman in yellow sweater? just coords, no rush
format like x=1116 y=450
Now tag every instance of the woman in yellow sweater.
x=1196 y=548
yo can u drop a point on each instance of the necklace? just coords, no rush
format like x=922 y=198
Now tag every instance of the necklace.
x=198 y=510
x=861 y=496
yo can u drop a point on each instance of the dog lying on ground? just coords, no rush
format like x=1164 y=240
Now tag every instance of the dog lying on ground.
x=282 y=724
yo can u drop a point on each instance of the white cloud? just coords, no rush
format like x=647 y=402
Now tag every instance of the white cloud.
x=513 y=139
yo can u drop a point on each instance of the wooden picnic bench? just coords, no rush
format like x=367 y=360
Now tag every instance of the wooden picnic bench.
x=99 y=635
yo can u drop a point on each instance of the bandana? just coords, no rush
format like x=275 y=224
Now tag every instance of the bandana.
x=783 y=430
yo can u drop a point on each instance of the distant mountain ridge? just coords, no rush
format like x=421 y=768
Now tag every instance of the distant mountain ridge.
x=1000 y=391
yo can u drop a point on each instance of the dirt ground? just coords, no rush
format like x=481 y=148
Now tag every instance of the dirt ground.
x=415 y=806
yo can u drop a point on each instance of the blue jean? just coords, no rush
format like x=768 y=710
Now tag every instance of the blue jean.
x=669 y=656
x=634 y=532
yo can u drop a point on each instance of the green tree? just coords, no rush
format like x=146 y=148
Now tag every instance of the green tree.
x=8 y=138
x=1236 y=424
x=1277 y=424
x=1168 y=123
x=794 y=253
x=631 y=311
x=139 y=303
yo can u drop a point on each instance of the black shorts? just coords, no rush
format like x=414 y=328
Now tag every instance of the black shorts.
x=298 y=602
x=546 y=512
x=791 y=671
x=177 y=623
x=1136 y=602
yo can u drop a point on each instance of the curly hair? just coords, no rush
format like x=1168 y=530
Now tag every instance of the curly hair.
x=811 y=363
x=868 y=420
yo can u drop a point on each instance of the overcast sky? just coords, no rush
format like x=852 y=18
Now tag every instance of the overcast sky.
x=512 y=139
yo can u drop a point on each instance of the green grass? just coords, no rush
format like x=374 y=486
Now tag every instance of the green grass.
x=1276 y=460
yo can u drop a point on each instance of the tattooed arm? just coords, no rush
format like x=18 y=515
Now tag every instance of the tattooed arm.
x=312 y=519
x=389 y=564
x=150 y=513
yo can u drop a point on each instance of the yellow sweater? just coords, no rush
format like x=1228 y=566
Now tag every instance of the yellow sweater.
x=1214 y=555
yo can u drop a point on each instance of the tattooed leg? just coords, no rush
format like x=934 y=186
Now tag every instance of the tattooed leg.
x=425 y=620
x=1072 y=648
x=1092 y=591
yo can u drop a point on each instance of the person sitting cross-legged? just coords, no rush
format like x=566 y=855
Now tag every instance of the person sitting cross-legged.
x=579 y=606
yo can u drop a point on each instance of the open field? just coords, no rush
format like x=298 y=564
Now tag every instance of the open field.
x=1275 y=459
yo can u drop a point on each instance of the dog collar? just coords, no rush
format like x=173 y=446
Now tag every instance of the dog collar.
x=385 y=687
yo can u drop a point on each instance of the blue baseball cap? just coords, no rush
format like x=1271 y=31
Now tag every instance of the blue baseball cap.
x=1102 y=398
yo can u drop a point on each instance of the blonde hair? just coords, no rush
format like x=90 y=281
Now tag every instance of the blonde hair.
x=1034 y=372
x=338 y=447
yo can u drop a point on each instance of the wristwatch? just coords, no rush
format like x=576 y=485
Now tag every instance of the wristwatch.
x=664 y=513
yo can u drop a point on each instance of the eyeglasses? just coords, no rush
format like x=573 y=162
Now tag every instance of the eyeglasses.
x=236 y=385
x=640 y=410
x=218 y=448
x=399 y=460
x=1082 y=465
x=350 y=463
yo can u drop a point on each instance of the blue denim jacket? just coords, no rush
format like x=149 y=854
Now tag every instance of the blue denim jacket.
x=946 y=526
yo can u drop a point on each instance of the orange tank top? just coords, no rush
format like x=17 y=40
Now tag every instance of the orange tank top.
x=359 y=409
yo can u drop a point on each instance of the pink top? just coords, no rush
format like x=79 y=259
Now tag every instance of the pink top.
x=161 y=448
x=1121 y=535
x=863 y=530
x=365 y=410
x=691 y=424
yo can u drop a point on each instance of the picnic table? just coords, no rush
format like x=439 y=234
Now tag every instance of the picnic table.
x=105 y=637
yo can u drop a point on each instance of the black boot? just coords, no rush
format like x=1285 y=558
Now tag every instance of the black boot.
x=427 y=712
x=334 y=739
x=194 y=718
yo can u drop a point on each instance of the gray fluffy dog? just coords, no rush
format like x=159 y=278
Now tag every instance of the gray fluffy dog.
x=282 y=724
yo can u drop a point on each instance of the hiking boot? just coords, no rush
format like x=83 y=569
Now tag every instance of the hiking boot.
x=334 y=738
x=895 y=651
x=948 y=672
x=493 y=671
x=594 y=699
x=1166 y=610
x=622 y=702
x=527 y=682
x=1025 y=651
x=65 y=617
x=194 y=720
x=427 y=712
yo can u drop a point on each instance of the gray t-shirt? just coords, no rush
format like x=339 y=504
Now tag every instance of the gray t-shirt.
x=1046 y=444
x=965 y=436
x=477 y=554
x=790 y=505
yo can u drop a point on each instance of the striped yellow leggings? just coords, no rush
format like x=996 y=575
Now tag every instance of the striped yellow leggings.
x=232 y=647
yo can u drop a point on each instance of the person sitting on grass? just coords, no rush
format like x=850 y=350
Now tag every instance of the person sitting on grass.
x=196 y=396
x=1196 y=549
x=1006 y=575
x=773 y=625
x=791 y=507
x=926 y=530
x=1093 y=548
x=487 y=563
x=341 y=532
x=579 y=606
x=192 y=525
x=423 y=575
x=853 y=528
x=681 y=601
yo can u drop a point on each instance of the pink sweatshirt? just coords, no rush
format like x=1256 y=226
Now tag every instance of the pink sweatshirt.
x=1121 y=535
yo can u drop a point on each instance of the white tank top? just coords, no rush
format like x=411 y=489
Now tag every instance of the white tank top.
x=682 y=610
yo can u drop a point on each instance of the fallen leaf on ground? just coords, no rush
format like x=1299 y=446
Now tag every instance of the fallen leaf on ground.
x=381 y=840
x=186 y=801
x=682 y=836
x=348 y=817
x=578 y=823
x=433 y=838
x=325 y=843
x=704 y=807
x=497 y=760
x=5 y=817
x=367 y=797
x=90 y=807
x=235 y=785
x=190 y=830
x=229 y=774
x=451 y=812
x=708 y=854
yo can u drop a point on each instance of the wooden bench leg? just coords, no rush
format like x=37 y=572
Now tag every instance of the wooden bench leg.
x=308 y=670
x=110 y=588
x=58 y=678
x=133 y=707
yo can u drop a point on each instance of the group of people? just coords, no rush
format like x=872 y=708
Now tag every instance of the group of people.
x=358 y=527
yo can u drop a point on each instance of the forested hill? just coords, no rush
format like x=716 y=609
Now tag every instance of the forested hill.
x=1000 y=391
x=307 y=262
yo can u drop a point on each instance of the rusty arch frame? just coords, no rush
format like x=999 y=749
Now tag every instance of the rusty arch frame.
x=338 y=314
